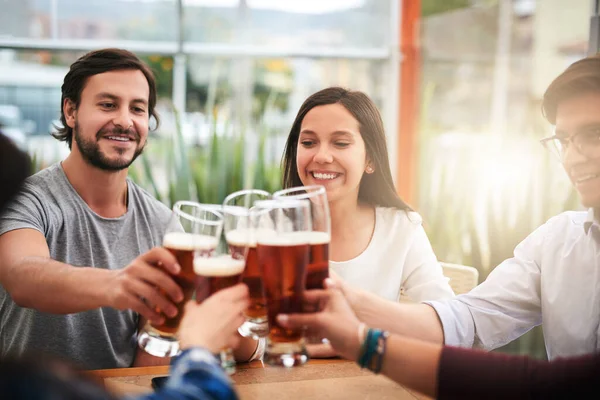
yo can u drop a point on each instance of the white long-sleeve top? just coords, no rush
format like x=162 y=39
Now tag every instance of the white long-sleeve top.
x=553 y=277
x=399 y=255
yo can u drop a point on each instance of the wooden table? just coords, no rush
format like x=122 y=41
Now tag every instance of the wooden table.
x=318 y=379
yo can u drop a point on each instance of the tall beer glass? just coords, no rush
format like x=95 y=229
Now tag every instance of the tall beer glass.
x=283 y=230
x=318 y=264
x=191 y=228
x=238 y=228
x=216 y=271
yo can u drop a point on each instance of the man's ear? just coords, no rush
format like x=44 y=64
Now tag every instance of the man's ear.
x=70 y=111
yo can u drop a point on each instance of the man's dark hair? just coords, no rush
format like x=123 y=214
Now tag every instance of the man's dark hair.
x=579 y=78
x=98 y=62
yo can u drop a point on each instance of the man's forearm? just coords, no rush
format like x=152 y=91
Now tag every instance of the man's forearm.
x=418 y=321
x=54 y=287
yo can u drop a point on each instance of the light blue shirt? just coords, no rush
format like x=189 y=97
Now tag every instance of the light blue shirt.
x=553 y=277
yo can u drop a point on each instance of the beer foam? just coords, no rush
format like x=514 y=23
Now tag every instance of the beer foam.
x=246 y=237
x=224 y=265
x=189 y=241
x=293 y=238
x=318 y=237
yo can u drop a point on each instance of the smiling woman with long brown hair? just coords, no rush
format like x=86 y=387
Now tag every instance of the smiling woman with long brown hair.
x=377 y=241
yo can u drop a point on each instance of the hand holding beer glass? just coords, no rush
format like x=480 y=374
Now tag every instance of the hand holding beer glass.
x=191 y=228
x=240 y=235
x=282 y=232
x=215 y=271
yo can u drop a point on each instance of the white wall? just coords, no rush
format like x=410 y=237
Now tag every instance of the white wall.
x=558 y=23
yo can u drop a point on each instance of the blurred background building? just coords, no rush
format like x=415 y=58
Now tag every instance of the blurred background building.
x=458 y=82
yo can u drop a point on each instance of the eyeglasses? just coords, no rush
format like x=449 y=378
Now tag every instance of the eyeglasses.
x=586 y=141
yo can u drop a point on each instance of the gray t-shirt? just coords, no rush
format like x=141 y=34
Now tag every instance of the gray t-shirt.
x=76 y=235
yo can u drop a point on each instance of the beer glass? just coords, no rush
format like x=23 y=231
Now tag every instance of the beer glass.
x=237 y=227
x=191 y=228
x=318 y=262
x=283 y=230
x=219 y=270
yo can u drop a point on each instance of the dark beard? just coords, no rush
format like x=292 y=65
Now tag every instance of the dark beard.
x=90 y=150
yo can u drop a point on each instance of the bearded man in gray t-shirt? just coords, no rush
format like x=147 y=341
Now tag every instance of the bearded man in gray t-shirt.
x=79 y=245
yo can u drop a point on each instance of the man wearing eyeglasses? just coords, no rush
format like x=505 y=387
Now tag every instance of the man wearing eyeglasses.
x=554 y=275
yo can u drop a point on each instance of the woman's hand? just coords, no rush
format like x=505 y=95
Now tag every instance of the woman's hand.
x=214 y=323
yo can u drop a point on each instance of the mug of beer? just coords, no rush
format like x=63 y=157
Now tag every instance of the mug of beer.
x=318 y=264
x=192 y=228
x=282 y=229
x=240 y=236
x=318 y=259
x=219 y=270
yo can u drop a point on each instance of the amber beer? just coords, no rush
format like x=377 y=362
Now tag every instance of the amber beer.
x=216 y=273
x=182 y=245
x=318 y=263
x=317 y=269
x=283 y=260
x=239 y=241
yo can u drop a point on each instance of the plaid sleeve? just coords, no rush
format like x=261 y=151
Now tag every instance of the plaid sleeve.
x=196 y=374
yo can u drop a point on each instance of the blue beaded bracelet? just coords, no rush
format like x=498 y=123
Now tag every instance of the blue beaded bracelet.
x=369 y=348
x=372 y=350
x=365 y=349
x=381 y=351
